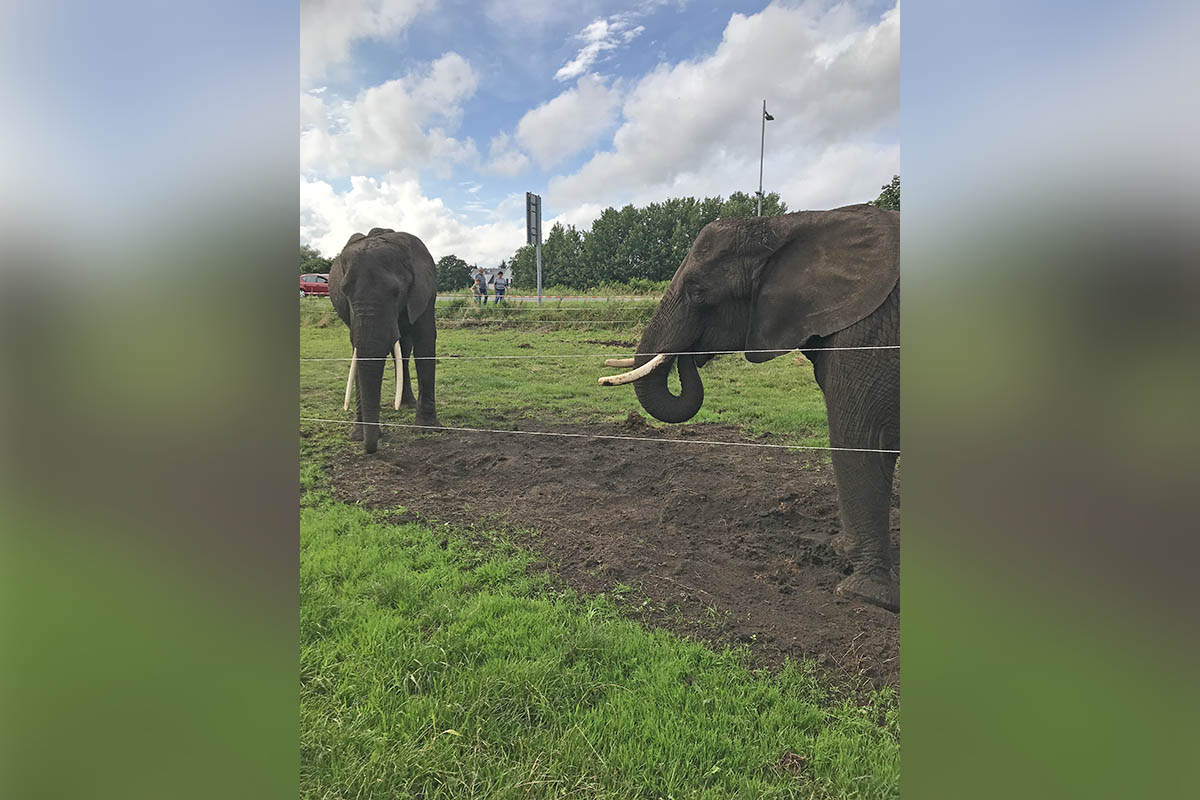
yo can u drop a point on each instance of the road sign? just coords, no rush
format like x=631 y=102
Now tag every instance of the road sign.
x=533 y=218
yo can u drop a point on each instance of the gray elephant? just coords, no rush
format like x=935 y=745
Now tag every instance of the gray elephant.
x=769 y=285
x=383 y=286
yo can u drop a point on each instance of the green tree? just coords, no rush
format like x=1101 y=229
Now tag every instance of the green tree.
x=601 y=259
x=741 y=204
x=561 y=263
x=630 y=243
x=311 y=260
x=453 y=274
x=889 y=198
x=524 y=268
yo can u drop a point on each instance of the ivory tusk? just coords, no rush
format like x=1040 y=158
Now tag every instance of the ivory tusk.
x=350 y=379
x=618 y=362
x=397 y=358
x=633 y=375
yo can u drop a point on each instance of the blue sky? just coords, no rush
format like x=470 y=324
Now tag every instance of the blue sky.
x=436 y=116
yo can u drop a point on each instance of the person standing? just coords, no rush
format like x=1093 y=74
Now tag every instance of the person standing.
x=481 y=291
x=501 y=284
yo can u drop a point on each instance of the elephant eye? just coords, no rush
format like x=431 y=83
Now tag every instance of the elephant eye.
x=695 y=293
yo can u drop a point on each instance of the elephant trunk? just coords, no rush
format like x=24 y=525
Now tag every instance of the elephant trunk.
x=373 y=339
x=672 y=329
x=656 y=398
x=370 y=384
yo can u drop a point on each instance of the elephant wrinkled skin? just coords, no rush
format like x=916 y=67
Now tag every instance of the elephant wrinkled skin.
x=812 y=279
x=383 y=287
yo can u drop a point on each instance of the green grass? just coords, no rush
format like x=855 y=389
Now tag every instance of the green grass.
x=434 y=665
x=779 y=399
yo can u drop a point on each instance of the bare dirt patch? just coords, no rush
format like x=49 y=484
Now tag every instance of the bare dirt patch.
x=730 y=544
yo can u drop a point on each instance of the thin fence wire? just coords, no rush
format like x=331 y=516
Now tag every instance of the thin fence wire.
x=608 y=436
x=520 y=317
x=454 y=325
x=549 y=356
x=527 y=318
x=534 y=323
x=531 y=300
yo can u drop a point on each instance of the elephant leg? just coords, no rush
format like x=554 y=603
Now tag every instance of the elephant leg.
x=862 y=398
x=425 y=347
x=407 y=400
x=864 y=483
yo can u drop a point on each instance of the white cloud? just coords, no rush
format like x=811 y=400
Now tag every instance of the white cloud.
x=328 y=218
x=401 y=124
x=556 y=129
x=831 y=81
x=329 y=27
x=565 y=125
x=312 y=111
x=504 y=158
x=599 y=36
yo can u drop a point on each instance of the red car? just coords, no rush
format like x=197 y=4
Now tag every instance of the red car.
x=317 y=283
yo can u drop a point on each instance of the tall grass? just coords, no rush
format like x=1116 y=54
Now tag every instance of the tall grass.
x=465 y=312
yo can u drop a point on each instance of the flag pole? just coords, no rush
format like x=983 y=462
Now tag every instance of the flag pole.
x=761 y=150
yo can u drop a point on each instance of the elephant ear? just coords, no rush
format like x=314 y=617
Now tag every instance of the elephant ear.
x=827 y=270
x=424 y=272
x=354 y=237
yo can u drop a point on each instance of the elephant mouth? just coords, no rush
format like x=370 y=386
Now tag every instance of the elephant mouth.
x=662 y=360
x=635 y=374
x=650 y=382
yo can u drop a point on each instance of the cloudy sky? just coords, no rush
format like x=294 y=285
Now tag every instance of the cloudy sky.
x=436 y=116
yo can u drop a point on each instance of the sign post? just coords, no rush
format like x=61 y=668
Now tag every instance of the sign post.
x=533 y=233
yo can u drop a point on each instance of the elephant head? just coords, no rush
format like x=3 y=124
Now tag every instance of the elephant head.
x=378 y=283
x=764 y=285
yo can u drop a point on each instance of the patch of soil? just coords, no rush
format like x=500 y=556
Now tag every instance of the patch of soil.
x=731 y=544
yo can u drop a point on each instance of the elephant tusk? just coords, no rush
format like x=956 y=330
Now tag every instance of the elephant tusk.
x=397 y=358
x=350 y=379
x=618 y=362
x=636 y=374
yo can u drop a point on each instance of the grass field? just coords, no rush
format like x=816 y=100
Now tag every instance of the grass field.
x=779 y=399
x=434 y=664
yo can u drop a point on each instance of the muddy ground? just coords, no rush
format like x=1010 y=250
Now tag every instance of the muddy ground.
x=731 y=543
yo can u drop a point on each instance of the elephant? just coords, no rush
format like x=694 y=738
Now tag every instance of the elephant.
x=812 y=281
x=383 y=286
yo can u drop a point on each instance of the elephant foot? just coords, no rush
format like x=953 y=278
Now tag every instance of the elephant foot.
x=871 y=588
x=428 y=418
x=356 y=433
x=842 y=545
x=408 y=402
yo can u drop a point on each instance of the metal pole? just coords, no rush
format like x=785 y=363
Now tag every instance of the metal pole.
x=761 y=149
x=539 y=261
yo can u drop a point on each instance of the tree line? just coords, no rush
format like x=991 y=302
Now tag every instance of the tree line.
x=622 y=245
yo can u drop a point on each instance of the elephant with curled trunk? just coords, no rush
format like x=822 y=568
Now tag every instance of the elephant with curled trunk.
x=383 y=286
x=768 y=285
